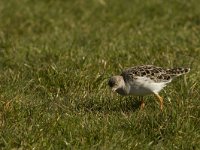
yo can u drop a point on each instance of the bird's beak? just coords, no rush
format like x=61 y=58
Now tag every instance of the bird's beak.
x=114 y=89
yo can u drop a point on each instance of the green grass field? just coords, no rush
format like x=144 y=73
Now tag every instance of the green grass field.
x=57 y=56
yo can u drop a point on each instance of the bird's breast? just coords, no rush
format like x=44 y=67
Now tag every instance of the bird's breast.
x=145 y=87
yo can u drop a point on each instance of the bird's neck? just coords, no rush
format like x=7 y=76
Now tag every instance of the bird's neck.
x=123 y=90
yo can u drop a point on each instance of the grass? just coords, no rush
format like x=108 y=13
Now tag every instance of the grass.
x=56 y=58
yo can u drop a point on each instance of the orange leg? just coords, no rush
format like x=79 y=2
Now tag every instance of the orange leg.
x=160 y=100
x=142 y=104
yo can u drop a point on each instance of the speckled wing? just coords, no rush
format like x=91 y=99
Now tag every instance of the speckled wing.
x=157 y=74
x=177 y=71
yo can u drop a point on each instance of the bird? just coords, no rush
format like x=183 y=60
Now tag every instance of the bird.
x=144 y=80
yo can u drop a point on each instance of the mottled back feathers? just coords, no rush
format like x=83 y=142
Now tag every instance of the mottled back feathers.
x=157 y=74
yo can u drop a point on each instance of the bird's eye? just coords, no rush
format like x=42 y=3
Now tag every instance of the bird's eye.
x=111 y=83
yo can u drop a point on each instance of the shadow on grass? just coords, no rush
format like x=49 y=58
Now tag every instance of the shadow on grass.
x=128 y=105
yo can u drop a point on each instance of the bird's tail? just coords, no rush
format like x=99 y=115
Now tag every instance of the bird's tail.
x=177 y=71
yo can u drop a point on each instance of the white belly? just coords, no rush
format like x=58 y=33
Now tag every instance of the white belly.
x=145 y=86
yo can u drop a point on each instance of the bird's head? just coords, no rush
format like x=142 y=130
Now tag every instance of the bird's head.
x=116 y=82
